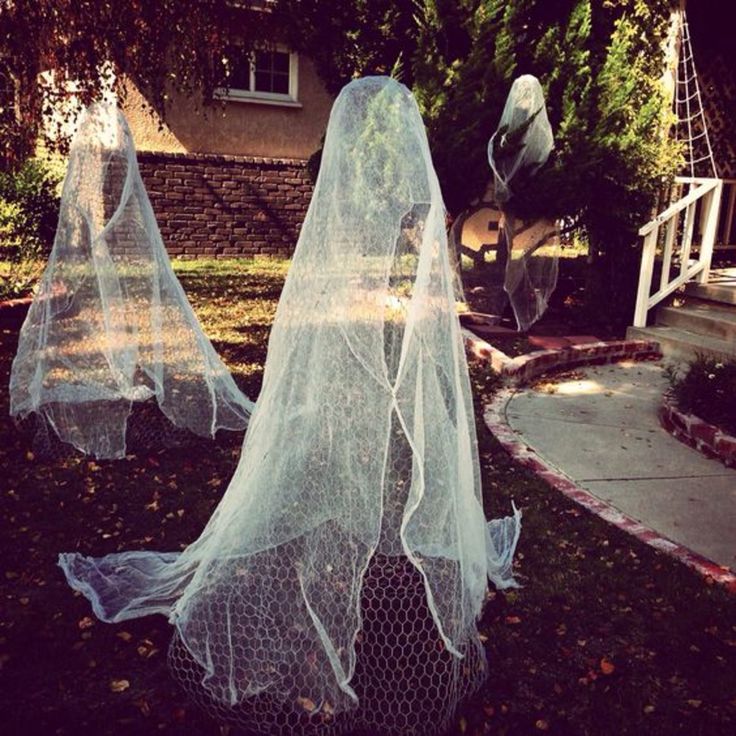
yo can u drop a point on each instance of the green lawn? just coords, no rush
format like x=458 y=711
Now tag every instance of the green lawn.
x=606 y=636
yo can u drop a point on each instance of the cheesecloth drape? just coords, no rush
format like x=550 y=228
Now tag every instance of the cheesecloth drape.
x=360 y=456
x=110 y=324
x=521 y=144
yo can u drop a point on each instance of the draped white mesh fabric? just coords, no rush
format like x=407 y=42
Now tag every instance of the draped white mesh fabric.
x=111 y=326
x=337 y=585
x=521 y=144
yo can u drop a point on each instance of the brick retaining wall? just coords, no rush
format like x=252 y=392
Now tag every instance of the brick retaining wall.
x=712 y=441
x=226 y=206
x=524 y=368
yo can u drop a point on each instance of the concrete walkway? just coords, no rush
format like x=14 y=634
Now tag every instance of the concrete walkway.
x=600 y=427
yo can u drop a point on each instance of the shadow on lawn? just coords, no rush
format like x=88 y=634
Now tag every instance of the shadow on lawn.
x=605 y=637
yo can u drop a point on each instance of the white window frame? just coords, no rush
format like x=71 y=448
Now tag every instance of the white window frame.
x=291 y=99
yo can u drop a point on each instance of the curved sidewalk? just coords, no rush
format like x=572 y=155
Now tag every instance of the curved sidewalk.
x=599 y=426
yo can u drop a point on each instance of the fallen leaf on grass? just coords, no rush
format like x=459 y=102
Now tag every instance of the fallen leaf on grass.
x=146 y=649
x=119 y=686
x=607 y=667
x=307 y=704
x=143 y=706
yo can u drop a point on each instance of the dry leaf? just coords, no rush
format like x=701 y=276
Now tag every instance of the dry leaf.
x=119 y=686
x=307 y=704
x=607 y=667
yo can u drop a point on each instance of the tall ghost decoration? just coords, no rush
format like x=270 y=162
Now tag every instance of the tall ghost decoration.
x=522 y=144
x=111 y=326
x=337 y=585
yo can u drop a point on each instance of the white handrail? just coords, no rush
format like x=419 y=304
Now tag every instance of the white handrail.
x=701 y=208
x=681 y=204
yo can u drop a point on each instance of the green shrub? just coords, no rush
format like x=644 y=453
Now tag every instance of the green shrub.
x=18 y=279
x=29 y=206
x=707 y=388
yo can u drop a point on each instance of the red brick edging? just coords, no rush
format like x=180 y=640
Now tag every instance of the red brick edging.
x=522 y=369
x=712 y=441
x=13 y=311
x=10 y=305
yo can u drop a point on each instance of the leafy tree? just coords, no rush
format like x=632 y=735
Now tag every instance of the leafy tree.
x=600 y=63
x=351 y=38
x=162 y=46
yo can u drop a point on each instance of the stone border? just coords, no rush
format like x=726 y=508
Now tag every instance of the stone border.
x=695 y=432
x=13 y=311
x=10 y=305
x=519 y=371
x=522 y=369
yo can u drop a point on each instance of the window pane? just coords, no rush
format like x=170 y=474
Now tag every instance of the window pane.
x=240 y=78
x=263 y=82
x=281 y=62
x=236 y=67
x=263 y=61
x=281 y=83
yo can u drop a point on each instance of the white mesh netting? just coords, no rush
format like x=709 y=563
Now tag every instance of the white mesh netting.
x=528 y=252
x=337 y=585
x=691 y=124
x=110 y=326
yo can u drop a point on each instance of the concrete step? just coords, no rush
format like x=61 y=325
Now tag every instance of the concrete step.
x=705 y=318
x=724 y=293
x=681 y=344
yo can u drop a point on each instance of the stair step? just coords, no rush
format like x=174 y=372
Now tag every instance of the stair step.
x=682 y=344
x=723 y=293
x=704 y=318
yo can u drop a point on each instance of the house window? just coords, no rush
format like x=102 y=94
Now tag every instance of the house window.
x=268 y=76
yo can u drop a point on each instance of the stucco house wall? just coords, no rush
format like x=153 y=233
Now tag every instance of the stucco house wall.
x=236 y=127
x=230 y=180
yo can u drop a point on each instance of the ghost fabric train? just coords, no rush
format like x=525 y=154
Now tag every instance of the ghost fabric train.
x=337 y=585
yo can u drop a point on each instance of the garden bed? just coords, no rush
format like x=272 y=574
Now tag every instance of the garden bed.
x=695 y=432
x=706 y=388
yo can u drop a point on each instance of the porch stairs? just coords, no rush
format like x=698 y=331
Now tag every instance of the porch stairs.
x=700 y=321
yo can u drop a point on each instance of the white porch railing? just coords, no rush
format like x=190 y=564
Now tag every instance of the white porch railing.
x=727 y=232
x=688 y=225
